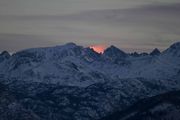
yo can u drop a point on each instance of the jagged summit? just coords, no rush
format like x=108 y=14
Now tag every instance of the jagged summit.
x=113 y=51
x=55 y=82
x=90 y=53
x=155 y=52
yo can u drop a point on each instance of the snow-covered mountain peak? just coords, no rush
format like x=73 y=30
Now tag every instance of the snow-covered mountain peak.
x=70 y=45
x=70 y=79
x=73 y=64
x=112 y=47
x=175 y=46
x=114 y=52
x=67 y=47
x=173 y=50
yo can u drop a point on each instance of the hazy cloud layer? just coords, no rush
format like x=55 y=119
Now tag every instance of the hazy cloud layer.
x=31 y=7
x=131 y=28
x=13 y=42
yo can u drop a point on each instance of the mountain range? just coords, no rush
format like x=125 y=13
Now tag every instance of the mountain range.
x=70 y=82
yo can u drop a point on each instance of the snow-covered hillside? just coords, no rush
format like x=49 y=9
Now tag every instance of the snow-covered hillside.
x=70 y=82
x=74 y=65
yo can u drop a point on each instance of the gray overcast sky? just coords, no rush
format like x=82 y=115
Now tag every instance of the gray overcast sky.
x=129 y=24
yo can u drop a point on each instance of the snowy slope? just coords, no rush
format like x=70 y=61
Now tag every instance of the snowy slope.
x=74 y=65
x=70 y=82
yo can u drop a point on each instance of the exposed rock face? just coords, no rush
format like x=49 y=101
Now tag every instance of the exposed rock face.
x=155 y=52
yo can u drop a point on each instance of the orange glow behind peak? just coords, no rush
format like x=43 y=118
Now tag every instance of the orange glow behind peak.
x=98 y=48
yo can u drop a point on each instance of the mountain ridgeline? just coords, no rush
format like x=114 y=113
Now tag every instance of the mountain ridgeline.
x=70 y=82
